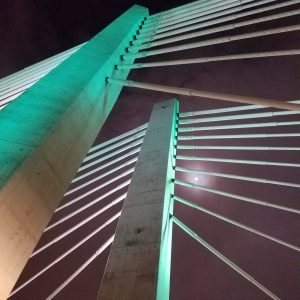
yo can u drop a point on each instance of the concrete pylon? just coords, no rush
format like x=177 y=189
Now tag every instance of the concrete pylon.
x=140 y=258
x=46 y=133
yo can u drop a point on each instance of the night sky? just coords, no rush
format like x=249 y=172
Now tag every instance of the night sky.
x=34 y=30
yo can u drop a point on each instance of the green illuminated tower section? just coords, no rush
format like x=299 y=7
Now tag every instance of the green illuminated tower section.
x=45 y=134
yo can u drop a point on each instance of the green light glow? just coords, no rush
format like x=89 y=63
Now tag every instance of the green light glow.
x=78 y=84
x=164 y=268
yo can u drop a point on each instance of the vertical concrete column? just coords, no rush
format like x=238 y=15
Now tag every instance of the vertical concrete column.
x=46 y=132
x=139 y=262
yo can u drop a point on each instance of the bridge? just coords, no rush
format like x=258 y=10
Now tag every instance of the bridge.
x=195 y=197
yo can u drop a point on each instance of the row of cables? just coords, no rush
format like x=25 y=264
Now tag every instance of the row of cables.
x=206 y=14
x=240 y=174
x=231 y=21
x=16 y=84
x=93 y=200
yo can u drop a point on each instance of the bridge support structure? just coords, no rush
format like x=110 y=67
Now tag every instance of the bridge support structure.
x=140 y=258
x=45 y=134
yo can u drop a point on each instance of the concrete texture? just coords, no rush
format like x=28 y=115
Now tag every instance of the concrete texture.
x=134 y=267
x=45 y=134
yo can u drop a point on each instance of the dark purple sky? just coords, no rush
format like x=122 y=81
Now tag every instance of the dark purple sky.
x=33 y=30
